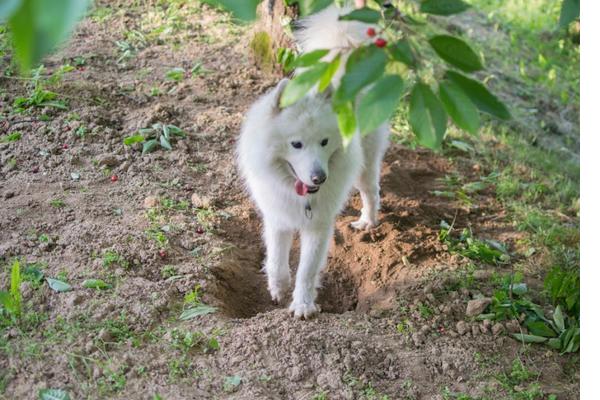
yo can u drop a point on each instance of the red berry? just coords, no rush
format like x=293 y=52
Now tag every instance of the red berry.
x=380 y=42
x=162 y=253
x=114 y=178
x=371 y=32
x=35 y=169
x=199 y=230
x=65 y=146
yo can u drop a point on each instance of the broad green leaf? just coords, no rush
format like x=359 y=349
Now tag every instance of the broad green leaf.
x=443 y=7
x=479 y=95
x=456 y=52
x=301 y=84
x=329 y=73
x=39 y=26
x=346 y=121
x=57 y=285
x=463 y=146
x=569 y=12
x=529 y=338
x=401 y=51
x=364 y=66
x=164 y=142
x=367 y=15
x=174 y=130
x=559 y=319
x=426 y=116
x=573 y=344
x=7 y=8
x=242 y=10
x=308 y=7
x=555 y=343
x=460 y=108
x=6 y=300
x=15 y=285
x=379 y=103
x=193 y=312
x=308 y=59
x=149 y=146
x=519 y=288
x=128 y=141
x=33 y=274
x=53 y=394
x=539 y=328
x=96 y=284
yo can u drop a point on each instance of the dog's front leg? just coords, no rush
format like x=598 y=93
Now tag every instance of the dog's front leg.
x=313 y=255
x=279 y=243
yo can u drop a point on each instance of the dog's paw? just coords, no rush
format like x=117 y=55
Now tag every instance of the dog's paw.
x=304 y=310
x=363 y=225
x=278 y=290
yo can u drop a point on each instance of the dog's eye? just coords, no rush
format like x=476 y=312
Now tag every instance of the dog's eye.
x=297 y=145
x=324 y=142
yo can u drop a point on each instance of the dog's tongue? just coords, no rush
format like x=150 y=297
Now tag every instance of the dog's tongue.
x=300 y=187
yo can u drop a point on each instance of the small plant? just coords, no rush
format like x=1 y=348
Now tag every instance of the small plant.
x=168 y=271
x=160 y=135
x=11 y=300
x=112 y=257
x=13 y=137
x=57 y=203
x=39 y=97
x=488 y=251
x=175 y=74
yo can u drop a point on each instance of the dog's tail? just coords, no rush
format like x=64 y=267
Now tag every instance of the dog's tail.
x=324 y=30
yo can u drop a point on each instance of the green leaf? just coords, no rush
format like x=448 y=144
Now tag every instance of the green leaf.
x=15 y=286
x=519 y=288
x=242 y=10
x=96 y=284
x=149 y=146
x=367 y=15
x=559 y=319
x=128 y=141
x=554 y=343
x=346 y=121
x=539 y=328
x=301 y=84
x=7 y=302
x=308 y=7
x=57 y=285
x=529 y=338
x=308 y=59
x=379 y=103
x=38 y=26
x=401 y=51
x=364 y=66
x=33 y=274
x=569 y=12
x=443 y=7
x=329 y=73
x=456 y=52
x=176 y=131
x=53 y=394
x=458 y=105
x=164 y=142
x=193 y=312
x=426 y=116
x=573 y=344
x=479 y=95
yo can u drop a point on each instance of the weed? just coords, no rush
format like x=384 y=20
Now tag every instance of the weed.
x=112 y=257
x=57 y=203
x=488 y=251
x=12 y=137
x=39 y=97
x=159 y=135
x=425 y=311
x=11 y=300
x=168 y=271
x=175 y=74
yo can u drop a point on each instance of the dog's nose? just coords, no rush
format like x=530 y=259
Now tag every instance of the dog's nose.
x=318 y=177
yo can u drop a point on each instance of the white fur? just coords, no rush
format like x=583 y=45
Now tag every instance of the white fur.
x=265 y=155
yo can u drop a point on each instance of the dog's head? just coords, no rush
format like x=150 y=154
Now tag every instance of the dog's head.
x=306 y=137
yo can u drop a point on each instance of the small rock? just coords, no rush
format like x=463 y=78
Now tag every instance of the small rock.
x=430 y=297
x=475 y=330
x=417 y=339
x=200 y=201
x=477 y=306
x=296 y=374
x=497 y=329
x=150 y=202
x=89 y=347
x=461 y=327
x=425 y=329
x=428 y=289
x=8 y=195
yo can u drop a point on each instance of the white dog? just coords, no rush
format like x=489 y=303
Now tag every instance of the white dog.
x=300 y=175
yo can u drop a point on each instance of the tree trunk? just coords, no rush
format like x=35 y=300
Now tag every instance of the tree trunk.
x=272 y=32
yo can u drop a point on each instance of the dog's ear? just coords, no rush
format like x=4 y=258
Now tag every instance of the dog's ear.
x=277 y=92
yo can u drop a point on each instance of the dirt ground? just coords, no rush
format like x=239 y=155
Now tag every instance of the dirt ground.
x=62 y=211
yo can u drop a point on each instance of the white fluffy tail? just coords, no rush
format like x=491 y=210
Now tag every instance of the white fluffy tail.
x=324 y=30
